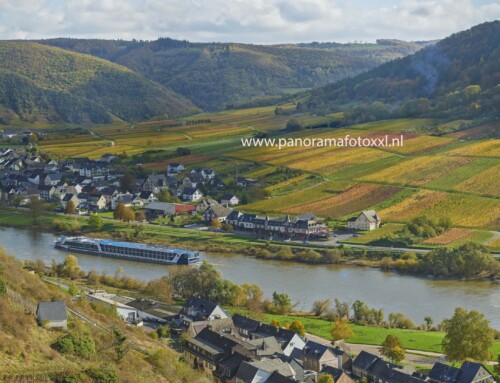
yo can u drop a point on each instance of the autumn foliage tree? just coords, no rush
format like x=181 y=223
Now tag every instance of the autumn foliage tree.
x=393 y=349
x=70 y=207
x=297 y=327
x=341 y=330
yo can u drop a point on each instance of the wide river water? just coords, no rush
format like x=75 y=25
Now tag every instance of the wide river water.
x=413 y=296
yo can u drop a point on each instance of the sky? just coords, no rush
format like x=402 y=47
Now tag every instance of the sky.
x=246 y=21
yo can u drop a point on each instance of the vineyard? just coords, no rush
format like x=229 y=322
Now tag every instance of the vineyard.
x=452 y=175
x=457 y=237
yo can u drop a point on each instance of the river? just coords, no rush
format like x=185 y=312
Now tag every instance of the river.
x=415 y=297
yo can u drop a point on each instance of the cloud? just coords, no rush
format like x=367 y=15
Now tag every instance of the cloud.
x=257 y=21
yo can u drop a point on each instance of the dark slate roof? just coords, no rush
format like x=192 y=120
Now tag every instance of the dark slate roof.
x=213 y=338
x=52 y=311
x=336 y=373
x=283 y=335
x=234 y=215
x=246 y=372
x=276 y=377
x=314 y=350
x=364 y=360
x=246 y=323
x=443 y=373
x=189 y=191
x=470 y=371
x=203 y=306
x=383 y=370
x=247 y=217
x=145 y=194
x=228 y=367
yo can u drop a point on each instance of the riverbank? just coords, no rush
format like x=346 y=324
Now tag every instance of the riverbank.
x=226 y=243
x=391 y=292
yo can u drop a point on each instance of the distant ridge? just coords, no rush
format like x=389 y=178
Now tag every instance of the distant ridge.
x=215 y=75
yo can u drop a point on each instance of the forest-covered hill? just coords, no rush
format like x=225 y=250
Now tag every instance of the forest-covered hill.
x=457 y=77
x=215 y=75
x=42 y=83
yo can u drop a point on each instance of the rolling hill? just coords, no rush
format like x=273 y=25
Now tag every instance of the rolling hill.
x=215 y=75
x=457 y=77
x=39 y=83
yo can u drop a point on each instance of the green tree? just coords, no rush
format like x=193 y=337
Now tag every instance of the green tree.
x=281 y=303
x=70 y=207
x=3 y=288
x=341 y=330
x=70 y=266
x=297 y=327
x=163 y=331
x=428 y=322
x=326 y=378
x=119 y=343
x=294 y=125
x=36 y=209
x=95 y=222
x=468 y=336
x=127 y=182
x=73 y=289
x=104 y=374
x=393 y=349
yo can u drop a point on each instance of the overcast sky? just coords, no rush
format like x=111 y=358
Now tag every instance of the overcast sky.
x=251 y=21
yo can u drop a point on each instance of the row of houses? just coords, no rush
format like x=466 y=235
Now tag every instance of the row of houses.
x=240 y=349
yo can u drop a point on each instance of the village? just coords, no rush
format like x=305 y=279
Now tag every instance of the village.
x=244 y=350
x=86 y=186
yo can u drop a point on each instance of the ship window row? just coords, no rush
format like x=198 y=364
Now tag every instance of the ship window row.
x=83 y=245
x=136 y=252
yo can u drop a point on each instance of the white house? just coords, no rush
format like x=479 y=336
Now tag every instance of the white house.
x=191 y=194
x=367 y=220
x=229 y=199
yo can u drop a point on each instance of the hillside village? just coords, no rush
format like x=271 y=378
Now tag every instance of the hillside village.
x=241 y=349
x=91 y=186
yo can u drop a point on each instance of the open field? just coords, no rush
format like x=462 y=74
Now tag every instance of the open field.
x=370 y=236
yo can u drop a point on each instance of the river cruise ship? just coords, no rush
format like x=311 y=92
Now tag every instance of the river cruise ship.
x=126 y=250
